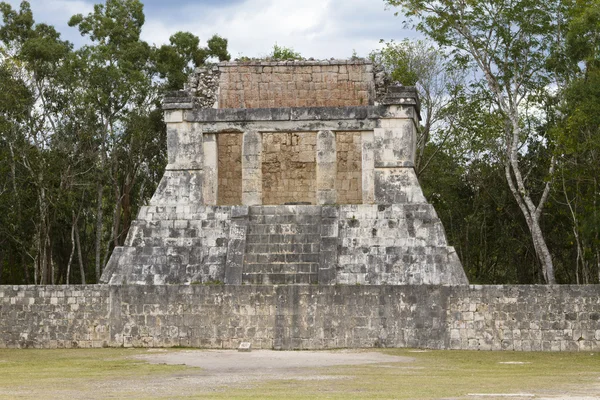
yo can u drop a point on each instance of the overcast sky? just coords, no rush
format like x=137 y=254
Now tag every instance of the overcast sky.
x=316 y=28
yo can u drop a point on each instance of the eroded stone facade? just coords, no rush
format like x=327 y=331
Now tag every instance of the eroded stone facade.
x=257 y=84
x=289 y=168
x=302 y=317
x=318 y=188
x=348 y=179
x=229 y=185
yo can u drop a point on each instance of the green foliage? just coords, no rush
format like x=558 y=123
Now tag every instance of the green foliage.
x=576 y=132
x=83 y=141
x=284 y=53
x=178 y=59
x=509 y=43
x=406 y=61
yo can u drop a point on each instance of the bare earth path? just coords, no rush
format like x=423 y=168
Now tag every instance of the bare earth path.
x=267 y=361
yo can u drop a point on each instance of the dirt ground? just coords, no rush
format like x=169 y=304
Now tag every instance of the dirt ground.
x=339 y=374
x=242 y=369
x=267 y=362
x=226 y=368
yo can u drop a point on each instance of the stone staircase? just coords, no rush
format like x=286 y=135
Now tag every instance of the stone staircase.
x=282 y=245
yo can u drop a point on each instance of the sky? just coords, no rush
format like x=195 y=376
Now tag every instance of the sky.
x=316 y=28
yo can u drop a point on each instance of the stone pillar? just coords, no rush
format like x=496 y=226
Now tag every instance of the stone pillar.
x=184 y=142
x=182 y=182
x=211 y=169
x=326 y=167
x=328 y=247
x=368 y=168
x=395 y=147
x=252 y=168
x=236 y=246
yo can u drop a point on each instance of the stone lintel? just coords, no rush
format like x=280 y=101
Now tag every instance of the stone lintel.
x=288 y=114
x=290 y=126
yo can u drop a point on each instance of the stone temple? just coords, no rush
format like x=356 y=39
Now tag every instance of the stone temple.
x=289 y=173
x=290 y=217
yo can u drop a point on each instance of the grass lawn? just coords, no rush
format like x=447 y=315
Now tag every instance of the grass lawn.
x=116 y=373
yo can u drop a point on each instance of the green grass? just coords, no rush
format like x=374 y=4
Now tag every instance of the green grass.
x=57 y=373
x=112 y=373
x=446 y=374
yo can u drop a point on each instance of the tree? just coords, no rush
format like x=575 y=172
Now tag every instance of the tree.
x=440 y=86
x=177 y=60
x=509 y=42
x=33 y=56
x=75 y=125
x=114 y=71
x=577 y=136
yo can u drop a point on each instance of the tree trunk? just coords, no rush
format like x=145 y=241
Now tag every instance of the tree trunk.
x=516 y=183
x=116 y=215
x=72 y=248
x=99 y=216
x=81 y=269
x=531 y=215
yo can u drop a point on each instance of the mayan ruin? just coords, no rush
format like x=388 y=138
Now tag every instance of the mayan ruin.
x=289 y=173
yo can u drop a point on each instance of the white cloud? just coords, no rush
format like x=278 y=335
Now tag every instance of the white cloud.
x=315 y=28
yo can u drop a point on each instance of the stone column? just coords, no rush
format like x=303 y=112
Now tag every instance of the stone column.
x=326 y=167
x=236 y=246
x=211 y=169
x=368 y=168
x=395 y=147
x=184 y=143
x=252 y=168
x=182 y=182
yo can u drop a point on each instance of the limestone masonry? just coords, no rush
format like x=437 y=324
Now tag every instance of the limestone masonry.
x=289 y=173
x=290 y=216
x=286 y=317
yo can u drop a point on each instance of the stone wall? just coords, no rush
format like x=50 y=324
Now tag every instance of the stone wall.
x=394 y=245
x=55 y=316
x=296 y=84
x=229 y=191
x=289 y=167
x=173 y=244
x=348 y=182
x=521 y=318
x=524 y=318
x=345 y=244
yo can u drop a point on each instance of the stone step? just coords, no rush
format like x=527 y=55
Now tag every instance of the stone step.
x=283 y=239
x=283 y=229
x=285 y=219
x=265 y=258
x=280 y=279
x=283 y=245
x=282 y=268
x=282 y=248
